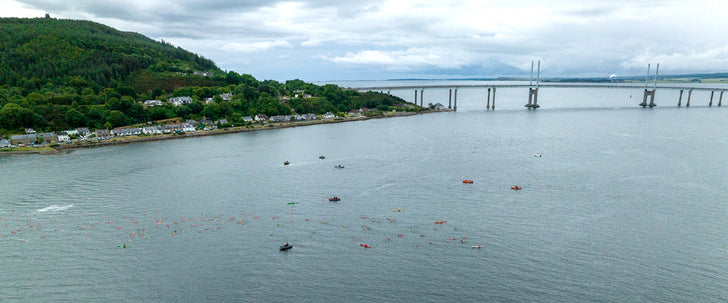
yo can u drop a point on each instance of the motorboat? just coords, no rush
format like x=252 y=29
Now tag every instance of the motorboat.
x=286 y=246
x=516 y=187
x=468 y=181
x=339 y=166
x=334 y=199
x=322 y=157
x=537 y=155
x=286 y=162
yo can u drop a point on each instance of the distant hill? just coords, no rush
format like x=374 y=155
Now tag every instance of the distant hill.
x=61 y=74
x=42 y=50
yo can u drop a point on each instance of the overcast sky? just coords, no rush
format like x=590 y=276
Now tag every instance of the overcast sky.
x=394 y=39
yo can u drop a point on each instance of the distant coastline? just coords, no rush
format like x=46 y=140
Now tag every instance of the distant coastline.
x=58 y=148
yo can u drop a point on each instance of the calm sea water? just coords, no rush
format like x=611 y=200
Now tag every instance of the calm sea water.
x=625 y=204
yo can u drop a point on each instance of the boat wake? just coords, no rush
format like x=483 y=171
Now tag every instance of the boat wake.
x=55 y=208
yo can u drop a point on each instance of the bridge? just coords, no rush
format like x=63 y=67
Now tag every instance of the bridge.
x=649 y=92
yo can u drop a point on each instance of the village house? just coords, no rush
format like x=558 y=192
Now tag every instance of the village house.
x=29 y=131
x=221 y=122
x=152 y=103
x=226 y=96
x=82 y=131
x=102 y=134
x=4 y=143
x=49 y=138
x=209 y=100
x=247 y=119
x=308 y=116
x=121 y=132
x=152 y=130
x=278 y=118
x=63 y=137
x=22 y=139
x=179 y=101
x=188 y=128
x=206 y=121
x=71 y=132
x=328 y=115
x=261 y=117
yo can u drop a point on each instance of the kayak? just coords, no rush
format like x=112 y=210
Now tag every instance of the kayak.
x=286 y=247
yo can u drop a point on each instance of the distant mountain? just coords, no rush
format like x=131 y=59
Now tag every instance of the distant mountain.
x=38 y=51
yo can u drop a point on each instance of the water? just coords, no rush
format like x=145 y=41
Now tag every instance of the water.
x=625 y=204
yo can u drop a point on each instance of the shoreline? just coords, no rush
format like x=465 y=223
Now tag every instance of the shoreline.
x=47 y=150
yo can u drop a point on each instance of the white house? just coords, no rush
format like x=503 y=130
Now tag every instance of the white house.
x=261 y=117
x=328 y=115
x=151 y=103
x=247 y=119
x=63 y=137
x=4 y=143
x=188 y=127
x=152 y=130
x=179 y=101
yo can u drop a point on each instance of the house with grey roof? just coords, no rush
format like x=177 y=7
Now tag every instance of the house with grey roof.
x=4 y=143
x=50 y=137
x=102 y=134
x=278 y=118
x=83 y=131
x=23 y=139
x=152 y=130
x=179 y=101
x=247 y=119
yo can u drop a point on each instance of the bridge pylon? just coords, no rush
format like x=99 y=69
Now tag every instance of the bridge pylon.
x=532 y=95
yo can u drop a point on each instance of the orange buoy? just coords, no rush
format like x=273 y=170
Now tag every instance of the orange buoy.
x=468 y=181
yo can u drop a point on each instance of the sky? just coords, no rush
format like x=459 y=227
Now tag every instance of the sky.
x=327 y=40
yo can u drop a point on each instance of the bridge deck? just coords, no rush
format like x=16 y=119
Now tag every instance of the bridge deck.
x=551 y=85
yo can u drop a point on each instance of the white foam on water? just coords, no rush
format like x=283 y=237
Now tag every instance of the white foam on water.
x=55 y=208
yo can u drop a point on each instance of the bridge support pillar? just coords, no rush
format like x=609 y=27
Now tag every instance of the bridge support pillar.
x=711 y=98
x=415 y=97
x=690 y=93
x=651 y=94
x=449 y=99
x=456 y=100
x=492 y=106
x=532 y=98
x=487 y=105
x=720 y=98
x=679 y=100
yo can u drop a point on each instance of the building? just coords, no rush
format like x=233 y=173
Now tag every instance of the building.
x=261 y=117
x=23 y=139
x=247 y=119
x=4 y=143
x=151 y=103
x=328 y=115
x=63 y=137
x=102 y=134
x=226 y=96
x=83 y=131
x=50 y=137
x=152 y=130
x=179 y=101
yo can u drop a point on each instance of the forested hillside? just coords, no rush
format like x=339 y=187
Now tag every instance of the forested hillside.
x=60 y=74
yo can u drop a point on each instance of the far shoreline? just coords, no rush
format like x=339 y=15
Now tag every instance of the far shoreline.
x=47 y=150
